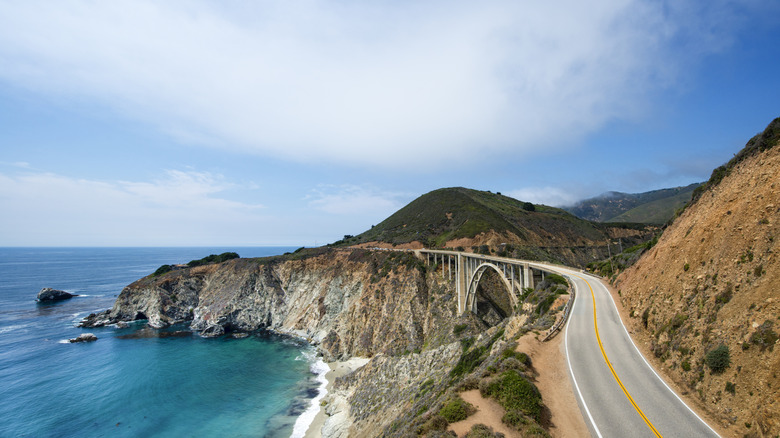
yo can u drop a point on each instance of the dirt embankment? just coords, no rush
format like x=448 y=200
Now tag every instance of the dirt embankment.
x=711 y=281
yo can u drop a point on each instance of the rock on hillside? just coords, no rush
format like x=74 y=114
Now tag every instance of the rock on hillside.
x=712 y=280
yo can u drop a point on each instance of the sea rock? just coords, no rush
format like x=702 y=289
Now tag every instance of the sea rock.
x=49 y=294
x=213 y=331
x=99 y=319
x=84 y=337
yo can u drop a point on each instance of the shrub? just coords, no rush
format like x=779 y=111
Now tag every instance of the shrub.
x=162 y=270
x=459 y=328
x=730 y=387
x=686 y=366
x=557 y=279
x=718 y=359
x=764 y=336
x=514 y=419
x=480 y=431
x=213 y=258
x=645 y=316
x=527 y=206
x=456 y=410
x=515 y=392
x=468 y=361
x=437 y=422
x=686 y=267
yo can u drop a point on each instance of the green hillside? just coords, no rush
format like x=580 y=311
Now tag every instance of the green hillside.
x=534 y=231
x=654 y=207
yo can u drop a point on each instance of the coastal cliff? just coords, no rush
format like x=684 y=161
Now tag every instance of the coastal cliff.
x=350 y=303
x=385 y=305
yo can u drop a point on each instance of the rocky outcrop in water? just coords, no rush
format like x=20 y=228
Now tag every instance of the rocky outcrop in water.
x=48 y=294
x=84 y=337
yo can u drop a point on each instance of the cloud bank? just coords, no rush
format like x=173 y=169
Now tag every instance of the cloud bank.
x=390 y=84
x=57 y=210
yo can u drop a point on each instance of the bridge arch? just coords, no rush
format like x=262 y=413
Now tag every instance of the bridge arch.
x=473 y=283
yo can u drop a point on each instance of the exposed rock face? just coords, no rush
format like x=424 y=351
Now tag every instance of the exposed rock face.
x=712 y=279
x=352 y=303
x=384 y=305
x=84 y=337
x=49 y=294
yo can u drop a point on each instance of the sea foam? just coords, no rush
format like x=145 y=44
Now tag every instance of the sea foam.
x=302 y=423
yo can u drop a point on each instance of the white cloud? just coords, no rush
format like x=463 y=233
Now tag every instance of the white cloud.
x=553 y=196
x=354 y=200
x=392 y=84
x=180 y=207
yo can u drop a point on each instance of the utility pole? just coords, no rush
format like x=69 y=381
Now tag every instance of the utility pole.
x=611 y=268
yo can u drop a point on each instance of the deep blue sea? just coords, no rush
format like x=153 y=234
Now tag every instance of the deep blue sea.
x=135 y=381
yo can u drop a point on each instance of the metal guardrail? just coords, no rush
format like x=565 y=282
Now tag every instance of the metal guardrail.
x=559 y=324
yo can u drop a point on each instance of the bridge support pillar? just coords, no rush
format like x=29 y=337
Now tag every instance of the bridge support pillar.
x=528 y=277
x=460 y=283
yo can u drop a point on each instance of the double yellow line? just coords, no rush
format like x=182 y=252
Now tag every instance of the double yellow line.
x=609 y=364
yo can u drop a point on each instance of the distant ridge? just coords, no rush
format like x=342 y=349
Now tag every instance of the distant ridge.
x=654 y=207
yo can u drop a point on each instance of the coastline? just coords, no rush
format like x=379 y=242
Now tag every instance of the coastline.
x=332 y=407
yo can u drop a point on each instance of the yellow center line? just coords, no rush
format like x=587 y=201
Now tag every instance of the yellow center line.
x=606 y=359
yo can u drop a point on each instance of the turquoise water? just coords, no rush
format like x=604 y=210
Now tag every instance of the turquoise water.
x=134 y=381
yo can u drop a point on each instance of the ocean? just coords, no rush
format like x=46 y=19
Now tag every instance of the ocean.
x=137 y=381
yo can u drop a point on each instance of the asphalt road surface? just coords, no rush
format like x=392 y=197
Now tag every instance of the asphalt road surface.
x=619 y=394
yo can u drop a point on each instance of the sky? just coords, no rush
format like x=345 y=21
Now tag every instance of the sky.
x=252 y=123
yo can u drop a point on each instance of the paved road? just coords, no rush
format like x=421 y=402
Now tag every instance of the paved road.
x=627 y=399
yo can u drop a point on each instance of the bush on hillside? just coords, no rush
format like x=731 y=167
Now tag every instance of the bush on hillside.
x=213 y=258
x=718 y=359
x=515 y=392
x=456 y=410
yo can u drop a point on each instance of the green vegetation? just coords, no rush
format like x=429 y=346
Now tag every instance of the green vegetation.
x=731 y=387
x=456 y=410
x=515 y=393
x=451 y=213
x=213 y=258
x=655 y=207
x=457 y=329
x=718 y=359
x=482 y=431
x=764 y=337
x=162 y=270
x=759 y=143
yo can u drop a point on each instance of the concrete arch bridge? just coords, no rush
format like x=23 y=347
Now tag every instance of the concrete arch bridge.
x=467 y=270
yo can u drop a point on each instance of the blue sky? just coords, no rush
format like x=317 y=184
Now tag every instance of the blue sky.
x=188 y=123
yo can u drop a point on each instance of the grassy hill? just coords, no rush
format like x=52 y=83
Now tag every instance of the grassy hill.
x=478 y=220
x=654 y=207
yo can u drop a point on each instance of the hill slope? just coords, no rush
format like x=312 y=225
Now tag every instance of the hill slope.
x=704 y=299
x=460 y=217
x=654 y=207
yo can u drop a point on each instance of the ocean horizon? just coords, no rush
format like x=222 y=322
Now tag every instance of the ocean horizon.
x=136 y=380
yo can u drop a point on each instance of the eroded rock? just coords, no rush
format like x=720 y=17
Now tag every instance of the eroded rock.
x=48 y=294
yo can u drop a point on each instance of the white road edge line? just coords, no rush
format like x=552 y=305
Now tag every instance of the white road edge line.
x=571 y=371
x=653 y=369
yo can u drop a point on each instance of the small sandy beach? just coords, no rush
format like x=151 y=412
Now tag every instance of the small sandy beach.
x=337 y=369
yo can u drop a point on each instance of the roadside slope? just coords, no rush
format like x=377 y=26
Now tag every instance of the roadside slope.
x=710 y=282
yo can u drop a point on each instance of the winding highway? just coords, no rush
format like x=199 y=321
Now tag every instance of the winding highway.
x=619 y=393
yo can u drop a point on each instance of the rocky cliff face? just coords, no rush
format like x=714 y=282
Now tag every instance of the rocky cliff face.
x=351 y=303
x=385 y=305
x=712 y=280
